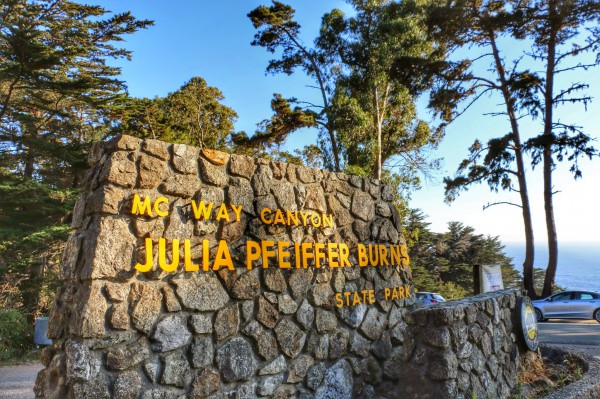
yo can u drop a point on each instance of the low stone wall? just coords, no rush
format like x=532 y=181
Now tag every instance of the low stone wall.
x=132 y=321
x=460 y=349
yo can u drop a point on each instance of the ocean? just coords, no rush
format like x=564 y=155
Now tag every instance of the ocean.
x=578 y=263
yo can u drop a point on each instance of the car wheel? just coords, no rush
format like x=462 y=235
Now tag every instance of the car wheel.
x=539 y=316
x=597 y=315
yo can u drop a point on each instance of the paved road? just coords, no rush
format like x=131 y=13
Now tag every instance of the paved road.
x=16 y=382
x=583 y=335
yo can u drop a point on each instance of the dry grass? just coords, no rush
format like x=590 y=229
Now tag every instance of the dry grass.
x=540 y=376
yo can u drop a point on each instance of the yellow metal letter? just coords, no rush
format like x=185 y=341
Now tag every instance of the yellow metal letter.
x=141 y=208
x=162 y=255
x=223 y=257
x=252 y=253
x=201 y=210
x=148 y=265
x=187 y=257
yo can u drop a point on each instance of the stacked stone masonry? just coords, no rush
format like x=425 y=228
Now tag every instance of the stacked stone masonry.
x=461 y=349
x=119 y=333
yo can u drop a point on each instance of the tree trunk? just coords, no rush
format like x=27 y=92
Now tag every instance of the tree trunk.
x=548 y=161
x=528 y=280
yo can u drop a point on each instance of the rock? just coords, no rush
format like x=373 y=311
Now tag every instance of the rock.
x=284 y=196
x=305 y=314
x=275 y=367
x=241 y=165
x=239 y=192
x=247 y=286
x=108 y=249
x=213 y=174
x=321 y=295
x=158 y=148
x=353 y=315
x=290 y=337
x=318 y=345
x=286 y=304
x=267 y=385
x=444 y=366
x=201 y=351
x=146 y=302
x=176 y=370
x=185 y=159
x=326 y=321
x=382 y=348
x=119 y=317
x=82 y=366
x=184 y=186
x=300 y=282
x=125 y=356
x=152 y=171
x=116 y=292
x=235 y=360
x=266 y=314
x=437 y=337
x=390 y=366
x=274 y=280
x=374 y=373
x=315 y=375
x=315 y=200
x=246 y=391
x=284 y=391
x=359 y=344
x=119 y=169
x=299 y=368
x=152 y=370
x=374 y=323
x=227 y=321
x=338 y=382
x=201 y=323
x=127 y=385
x=247 y=310
x=338 y=343
x=201 y=291
x=362 y=206
x=171 y=333
x=206 y=382
x=267 y=345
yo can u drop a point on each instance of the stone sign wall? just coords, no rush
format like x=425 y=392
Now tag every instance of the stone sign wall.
x=462 y=349
x=193 y=274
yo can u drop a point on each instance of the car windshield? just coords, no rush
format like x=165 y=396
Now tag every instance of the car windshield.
x=438 y=297
x=420 y=295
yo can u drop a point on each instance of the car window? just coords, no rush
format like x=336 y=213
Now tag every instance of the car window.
x=438 y=297
x=420 y=296
x=584 y=296
x=565 y=296
x=596 y=296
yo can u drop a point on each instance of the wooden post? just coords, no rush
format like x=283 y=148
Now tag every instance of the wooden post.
x=476 y=280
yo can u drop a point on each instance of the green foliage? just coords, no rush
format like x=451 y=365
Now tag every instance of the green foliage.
x=16 y=336
x=32 y=236
x=191 y=115
x=56 y=83
x=443 y=262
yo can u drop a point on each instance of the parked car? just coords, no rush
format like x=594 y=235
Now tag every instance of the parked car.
x=569 y=305
x=425 y=299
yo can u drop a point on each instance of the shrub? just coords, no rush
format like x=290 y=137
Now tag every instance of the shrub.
x=15 y=334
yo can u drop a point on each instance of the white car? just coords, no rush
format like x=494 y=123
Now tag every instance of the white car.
x=569 y=305
x=425 y=299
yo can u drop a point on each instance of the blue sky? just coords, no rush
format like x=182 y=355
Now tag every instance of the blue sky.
x=212 y=40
